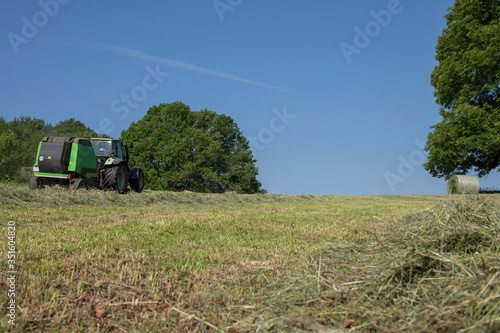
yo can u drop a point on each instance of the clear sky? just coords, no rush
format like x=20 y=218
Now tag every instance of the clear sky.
x=334 y=96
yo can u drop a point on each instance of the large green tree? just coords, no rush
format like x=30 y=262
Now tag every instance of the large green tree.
x=200 y=151
x=467 y=86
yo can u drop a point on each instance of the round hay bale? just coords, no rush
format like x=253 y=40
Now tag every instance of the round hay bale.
x=460 y=184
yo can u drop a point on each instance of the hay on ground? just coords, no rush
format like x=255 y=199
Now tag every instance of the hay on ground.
x=460 y=184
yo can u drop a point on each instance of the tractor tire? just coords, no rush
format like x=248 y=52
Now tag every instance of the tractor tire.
x=78 y=184
x=137 y=180
x=36 y=183
x=116 y=178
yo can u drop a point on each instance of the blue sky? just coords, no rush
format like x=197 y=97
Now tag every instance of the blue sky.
x=334 y=95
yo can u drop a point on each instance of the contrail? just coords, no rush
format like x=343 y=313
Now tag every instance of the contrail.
x=174 y=63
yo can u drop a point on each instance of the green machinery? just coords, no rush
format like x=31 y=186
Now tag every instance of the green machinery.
x=83 y=163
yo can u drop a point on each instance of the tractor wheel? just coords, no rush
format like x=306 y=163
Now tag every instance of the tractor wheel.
x=36 y=182
x=78 y=184
x=137 y=180
x=116 y=178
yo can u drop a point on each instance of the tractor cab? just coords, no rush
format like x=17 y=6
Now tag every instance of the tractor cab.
x=106 y=149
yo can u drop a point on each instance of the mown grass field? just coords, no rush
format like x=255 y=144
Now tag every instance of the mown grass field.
x=183 y=262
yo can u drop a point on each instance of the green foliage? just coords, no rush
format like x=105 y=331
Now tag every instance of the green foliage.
x=73 y=128
x=467 y=86
x=197 y=151
x=8 y=162
x=18 y=144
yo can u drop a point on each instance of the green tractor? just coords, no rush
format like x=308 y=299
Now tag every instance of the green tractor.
x=84 y=163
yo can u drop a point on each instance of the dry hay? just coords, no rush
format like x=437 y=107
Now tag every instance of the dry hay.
x=460 y=184
x=435 y=271
x=450 y=264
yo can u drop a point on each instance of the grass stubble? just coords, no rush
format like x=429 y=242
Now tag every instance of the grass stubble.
x=160 y=261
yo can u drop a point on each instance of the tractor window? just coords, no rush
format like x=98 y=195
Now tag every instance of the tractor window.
x=102 y=148
x=118 y=149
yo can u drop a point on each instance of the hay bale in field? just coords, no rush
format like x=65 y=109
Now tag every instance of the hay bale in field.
x=460 y=184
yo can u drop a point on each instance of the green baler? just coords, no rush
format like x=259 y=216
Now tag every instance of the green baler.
x=82 y=163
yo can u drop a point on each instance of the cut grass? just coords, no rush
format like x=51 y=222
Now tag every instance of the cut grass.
x=161 y=261
x=15 y=195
